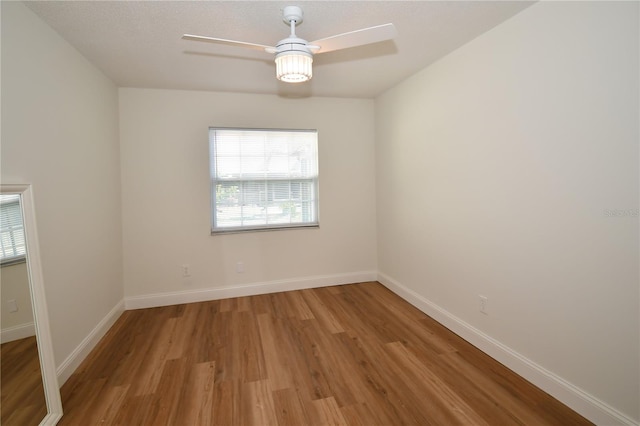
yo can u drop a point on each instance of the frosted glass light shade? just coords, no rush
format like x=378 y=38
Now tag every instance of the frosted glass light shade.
x=294 y=67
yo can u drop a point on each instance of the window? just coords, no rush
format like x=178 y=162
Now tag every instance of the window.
x=12 y=243
x=263 y=179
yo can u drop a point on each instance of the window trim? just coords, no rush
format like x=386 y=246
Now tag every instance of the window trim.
x=267 y=227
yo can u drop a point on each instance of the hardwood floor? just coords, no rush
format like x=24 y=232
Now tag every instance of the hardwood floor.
x=350 y=355
x=22 y=394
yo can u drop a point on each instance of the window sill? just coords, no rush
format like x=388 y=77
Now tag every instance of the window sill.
x=263 y=229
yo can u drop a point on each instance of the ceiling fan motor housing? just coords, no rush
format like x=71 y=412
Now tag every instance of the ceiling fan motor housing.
x=292 y=44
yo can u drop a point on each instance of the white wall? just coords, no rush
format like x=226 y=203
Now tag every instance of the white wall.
x=496 y=168
x=166 y=198
x=60 y=133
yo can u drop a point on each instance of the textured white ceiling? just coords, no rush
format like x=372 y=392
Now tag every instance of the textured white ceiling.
x=138 y=43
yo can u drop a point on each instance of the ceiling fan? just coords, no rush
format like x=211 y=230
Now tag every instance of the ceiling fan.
x=294 y=55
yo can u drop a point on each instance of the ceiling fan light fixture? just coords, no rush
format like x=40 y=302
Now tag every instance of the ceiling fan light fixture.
x=294 y=66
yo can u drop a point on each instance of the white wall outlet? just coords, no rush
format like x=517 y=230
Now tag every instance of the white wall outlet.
x=186 y=271
x=240 y=267
x=483 y=304
x=12 y=306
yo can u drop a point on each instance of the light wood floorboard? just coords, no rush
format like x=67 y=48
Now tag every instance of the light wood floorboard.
x=347 y=355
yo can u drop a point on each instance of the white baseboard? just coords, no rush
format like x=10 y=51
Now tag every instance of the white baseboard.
x=73 y=361
x=17 y=332
x=201 y=295
x=580 y=401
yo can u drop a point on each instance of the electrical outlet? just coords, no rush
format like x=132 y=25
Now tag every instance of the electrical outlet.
x=239 y=267
x=186 y=271
x=483 y=304
x=12 y=305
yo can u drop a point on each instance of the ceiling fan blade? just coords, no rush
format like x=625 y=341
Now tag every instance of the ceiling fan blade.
x=255 y=46
x=356 y=38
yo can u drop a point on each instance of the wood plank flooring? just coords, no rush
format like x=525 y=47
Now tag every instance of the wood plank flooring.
x=347 y=355
x=22 y=394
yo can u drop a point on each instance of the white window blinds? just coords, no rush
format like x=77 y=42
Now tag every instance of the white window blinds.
x=263 y=179
x=12 y=241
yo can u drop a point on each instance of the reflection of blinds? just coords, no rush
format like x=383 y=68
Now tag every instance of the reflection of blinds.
x=12 y=244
